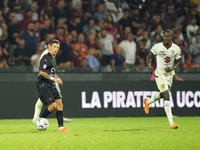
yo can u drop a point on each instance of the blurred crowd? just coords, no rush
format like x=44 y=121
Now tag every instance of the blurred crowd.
x=96 y=35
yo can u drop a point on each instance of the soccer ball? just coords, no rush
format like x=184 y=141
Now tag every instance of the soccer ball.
x=42 y=124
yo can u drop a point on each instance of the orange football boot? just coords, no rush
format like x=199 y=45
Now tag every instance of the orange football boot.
x=146 y=106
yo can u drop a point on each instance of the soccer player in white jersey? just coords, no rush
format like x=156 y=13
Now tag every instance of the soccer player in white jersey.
x=166 y=52
x=39 y=104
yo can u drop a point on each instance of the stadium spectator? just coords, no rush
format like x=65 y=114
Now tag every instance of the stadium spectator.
x=46 y=40
x=107 y=44
x=59 y=12
x=124 y=22
x=83 y=47
x=92 y=61
x=191 y=30
x=90 y=28
x=84 y=66
x=179 y=27
x=182 y=44
x=3 y=31
x=182 y=7
x=75 y=25
x=92 y=44
x=35 y=59
x=21 y=55
x=188 y=65
x=124 y=4
x=25 y=5
x=163 y=14
x=194 y=50
x=111 y=9
x=60 y=35
x=111 y=26
x=118 y=61
x=46 y=29
x=157 y=39
x=133 y=4
x=77 y=10
x=37 y=29
x=86 y=18
x=100 y=15
x=158 y=30
x=13 y=32
x=74 y=36
x=5 y=55
x=141 y=67
x=19 y=14
x=66 y=52
x=119 y=11
x=48 y=7
x=142 y=52
x=30 y=38
x=129 y=50
x=5 y=6
x=61 y=24
x=136 y=22
x=75 y=57
x=127 y=30
x=86 y=4
x=27 y=19
x=34 y=9
x=171 y=11
x=146 y=36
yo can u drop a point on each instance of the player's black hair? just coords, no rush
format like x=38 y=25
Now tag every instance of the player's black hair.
x=169 y=31
x=54 y=41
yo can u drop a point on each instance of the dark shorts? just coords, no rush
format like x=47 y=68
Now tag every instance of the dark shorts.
x=47 y=93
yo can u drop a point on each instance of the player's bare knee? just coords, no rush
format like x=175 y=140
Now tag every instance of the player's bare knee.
x=165 y=95
x=54 y=105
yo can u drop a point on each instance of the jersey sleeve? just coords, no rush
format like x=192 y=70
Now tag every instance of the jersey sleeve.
x=43 y=64
x=153 y=50
x=178 y=54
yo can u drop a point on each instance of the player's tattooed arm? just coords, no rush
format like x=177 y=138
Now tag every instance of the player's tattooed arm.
x=176 y=64
x=44 y=74
x=149 y=62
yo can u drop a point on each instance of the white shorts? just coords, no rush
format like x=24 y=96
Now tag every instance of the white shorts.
x=164 y=80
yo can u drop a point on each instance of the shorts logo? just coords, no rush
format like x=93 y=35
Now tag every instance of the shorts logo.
x=45 y=66
x=167 y=59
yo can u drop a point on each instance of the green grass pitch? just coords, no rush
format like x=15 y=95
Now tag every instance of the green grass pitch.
x=149 y=133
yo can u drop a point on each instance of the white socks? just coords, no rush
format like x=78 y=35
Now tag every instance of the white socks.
x=60 y=128
x=38 y=108
x=168 y=111
x=154 y=98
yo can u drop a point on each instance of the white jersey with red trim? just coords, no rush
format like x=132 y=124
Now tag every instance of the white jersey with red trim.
x=166 y=56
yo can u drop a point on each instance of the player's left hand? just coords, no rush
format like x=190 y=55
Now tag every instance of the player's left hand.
x=180 y=79
x=168 y=69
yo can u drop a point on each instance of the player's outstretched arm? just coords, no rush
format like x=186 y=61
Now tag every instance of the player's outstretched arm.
x=177 y=78
x=149 y=62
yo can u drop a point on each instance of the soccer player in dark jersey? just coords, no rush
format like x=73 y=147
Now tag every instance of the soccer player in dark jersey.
x=47 y=91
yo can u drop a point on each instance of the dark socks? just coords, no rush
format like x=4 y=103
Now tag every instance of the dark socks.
x=45 y=113
x=59 y=116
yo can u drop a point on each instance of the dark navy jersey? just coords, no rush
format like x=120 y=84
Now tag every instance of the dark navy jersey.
x=48 y=65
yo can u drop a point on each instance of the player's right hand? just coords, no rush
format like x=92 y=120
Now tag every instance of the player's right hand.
x=59 y=81
x=150 y=69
